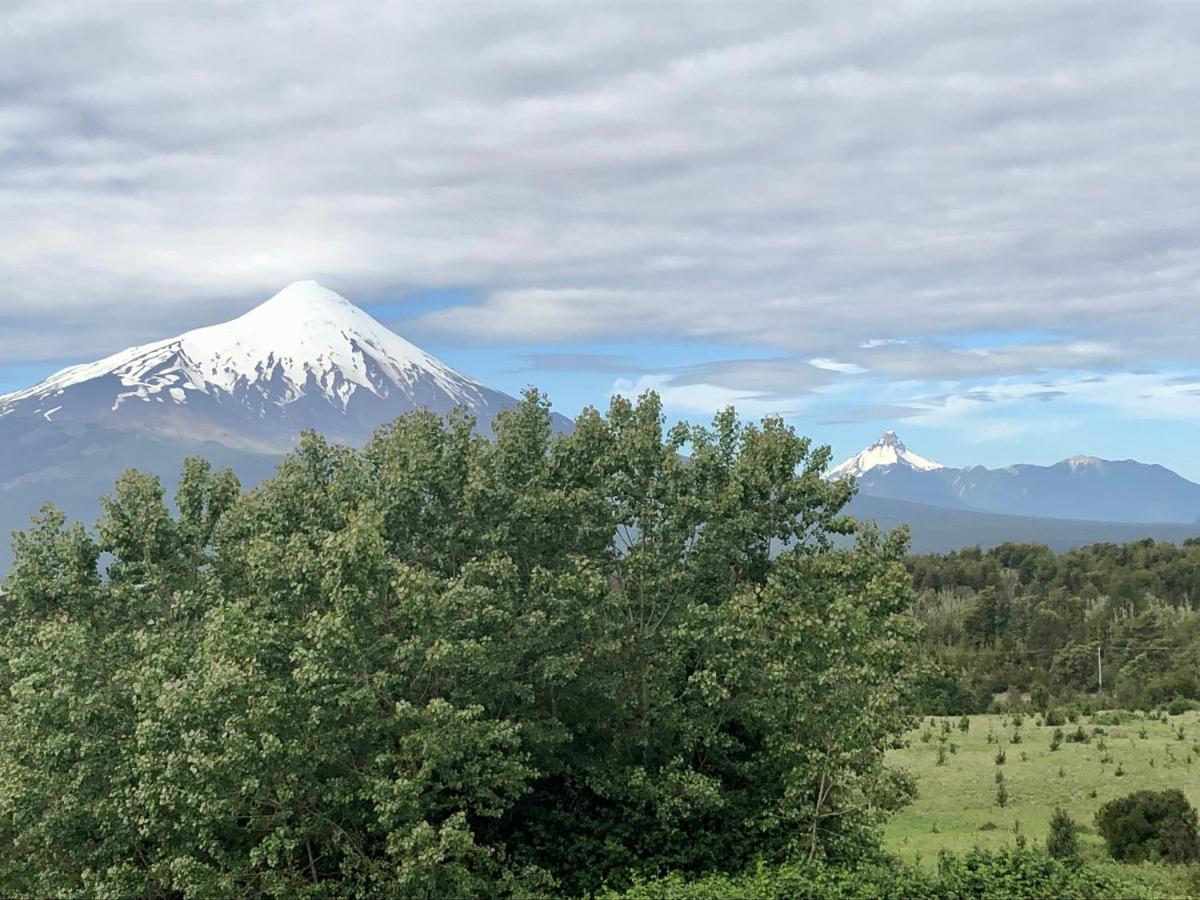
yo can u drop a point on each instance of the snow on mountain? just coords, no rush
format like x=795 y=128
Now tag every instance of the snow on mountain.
x=306 y=358
x=889 y=450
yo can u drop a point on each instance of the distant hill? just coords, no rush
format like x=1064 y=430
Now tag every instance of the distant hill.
x=938 y=529
x=1082 y=487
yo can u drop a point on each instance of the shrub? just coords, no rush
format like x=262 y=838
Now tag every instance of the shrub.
x=1001 y=757
x=1179 y=706
x=1019 y=839
x=1150 y=826
x=1002 y=795
x=1062 y=841
x=1056 y=739
x=1017 y=874
x=1079 y=736
x=964 y=724
x=1055 y=718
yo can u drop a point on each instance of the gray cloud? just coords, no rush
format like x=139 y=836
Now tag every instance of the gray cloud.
x=769 y=175
x=879 y=412
x=577 y=362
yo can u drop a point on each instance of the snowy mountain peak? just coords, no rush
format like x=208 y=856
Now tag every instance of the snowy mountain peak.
x=309 y=299
x=889 y=450
x=305 y=358
x=890 y=439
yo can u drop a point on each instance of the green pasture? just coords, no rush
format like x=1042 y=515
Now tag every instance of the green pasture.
x=957 y=807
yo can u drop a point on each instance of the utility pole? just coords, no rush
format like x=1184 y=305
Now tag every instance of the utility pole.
x=1099 y=668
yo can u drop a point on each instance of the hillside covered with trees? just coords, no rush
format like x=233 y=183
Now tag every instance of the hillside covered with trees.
x=1023 y=619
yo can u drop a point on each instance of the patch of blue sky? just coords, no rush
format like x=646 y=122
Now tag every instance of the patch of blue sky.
x=15 y=376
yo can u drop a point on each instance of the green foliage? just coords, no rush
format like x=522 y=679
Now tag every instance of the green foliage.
x=1150 y=826
x=1062 y=842
x=1010 y=874
x=443 y=666
x=1019 y=618
x=1056 y=739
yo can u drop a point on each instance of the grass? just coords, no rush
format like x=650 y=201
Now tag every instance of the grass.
x=957 y=804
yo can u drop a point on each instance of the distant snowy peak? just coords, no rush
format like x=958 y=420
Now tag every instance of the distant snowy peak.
x=889 y=450
x=306 y=358
x=305 y=339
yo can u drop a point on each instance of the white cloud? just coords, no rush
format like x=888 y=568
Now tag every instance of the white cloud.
x=704 y=399
x=851 y=185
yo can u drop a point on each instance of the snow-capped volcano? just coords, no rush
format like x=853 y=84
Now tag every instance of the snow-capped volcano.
x=306 y=358
x=889 y=450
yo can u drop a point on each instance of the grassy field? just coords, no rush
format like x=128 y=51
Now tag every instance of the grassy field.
x=957 y=808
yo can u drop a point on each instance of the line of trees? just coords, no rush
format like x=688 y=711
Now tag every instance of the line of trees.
x=1020 y=619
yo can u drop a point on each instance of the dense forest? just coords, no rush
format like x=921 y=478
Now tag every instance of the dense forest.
x=427 y=668
x=1020 y=622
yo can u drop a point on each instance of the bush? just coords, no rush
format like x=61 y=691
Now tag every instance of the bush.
x=1180 y=705
x=1017 y=874
x=1056 y=739
x=1150 y=826
x=1055 y=718
x=1062 y=842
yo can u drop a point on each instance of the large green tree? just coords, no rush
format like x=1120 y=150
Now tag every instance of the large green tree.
x=449 y=666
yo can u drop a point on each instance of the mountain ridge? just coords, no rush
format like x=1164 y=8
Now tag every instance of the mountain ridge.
x=1083 y=488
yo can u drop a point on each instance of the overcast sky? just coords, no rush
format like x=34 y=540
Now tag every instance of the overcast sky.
x=974 y=223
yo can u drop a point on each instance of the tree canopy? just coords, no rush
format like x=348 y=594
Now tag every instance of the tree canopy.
x=442 y=665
